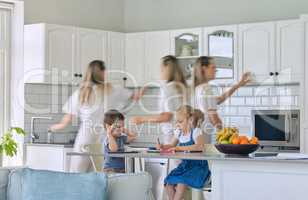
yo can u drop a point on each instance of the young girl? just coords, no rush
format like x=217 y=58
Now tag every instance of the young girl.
x=190 y=173
x=117 y=137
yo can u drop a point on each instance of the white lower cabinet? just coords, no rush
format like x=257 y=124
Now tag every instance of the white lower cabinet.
x=47 y=157
x=259 y=179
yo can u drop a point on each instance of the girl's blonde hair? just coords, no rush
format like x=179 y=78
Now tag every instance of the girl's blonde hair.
x=199 y=77
x=93 y=77
x=196 y=115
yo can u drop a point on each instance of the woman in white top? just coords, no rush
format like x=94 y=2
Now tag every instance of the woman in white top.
x=206 y=98
x=173 y=93
x=89 y=103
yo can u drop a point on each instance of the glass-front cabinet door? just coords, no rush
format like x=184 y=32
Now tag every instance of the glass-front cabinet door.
x=186 y=45
x=221 y=43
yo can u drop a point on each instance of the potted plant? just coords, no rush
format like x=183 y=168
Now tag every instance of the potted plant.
x=8 y=146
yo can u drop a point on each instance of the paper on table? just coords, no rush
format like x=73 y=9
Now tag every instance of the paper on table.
x=284 y=156
x=294 y=156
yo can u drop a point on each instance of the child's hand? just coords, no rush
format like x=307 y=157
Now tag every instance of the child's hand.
x=173 y=149
x=109 y=130
x=158 y=146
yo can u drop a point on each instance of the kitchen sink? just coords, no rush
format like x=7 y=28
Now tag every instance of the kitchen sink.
x=50 y=144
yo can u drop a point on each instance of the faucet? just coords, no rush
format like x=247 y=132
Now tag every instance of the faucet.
x=33 y=135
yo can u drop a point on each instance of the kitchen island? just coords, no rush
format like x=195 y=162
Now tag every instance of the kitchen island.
x=243 y=178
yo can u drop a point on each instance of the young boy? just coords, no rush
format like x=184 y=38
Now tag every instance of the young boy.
x=117 y=137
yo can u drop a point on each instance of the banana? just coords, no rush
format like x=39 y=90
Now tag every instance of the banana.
x=227 y=134
x=234 y=135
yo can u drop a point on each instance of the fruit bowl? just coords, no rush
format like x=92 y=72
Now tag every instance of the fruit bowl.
x=239 y=149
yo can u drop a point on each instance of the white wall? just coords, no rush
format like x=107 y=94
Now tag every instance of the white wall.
x=99 y=14
x=143 y=15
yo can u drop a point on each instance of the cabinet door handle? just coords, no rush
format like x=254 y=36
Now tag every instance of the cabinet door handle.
x=276 y=73
x=124 y=79
x=271 y=73
x=75 y=75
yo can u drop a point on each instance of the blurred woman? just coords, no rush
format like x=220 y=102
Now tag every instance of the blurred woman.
x=89 y=103
x=173 y=94
x=205 y=96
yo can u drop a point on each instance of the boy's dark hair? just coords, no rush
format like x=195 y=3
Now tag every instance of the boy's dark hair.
x=112 y=116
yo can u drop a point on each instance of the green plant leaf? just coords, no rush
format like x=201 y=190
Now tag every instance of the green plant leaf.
x=8 y=145
x=18 y=130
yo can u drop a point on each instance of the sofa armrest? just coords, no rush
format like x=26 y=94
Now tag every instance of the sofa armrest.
x=130 y=186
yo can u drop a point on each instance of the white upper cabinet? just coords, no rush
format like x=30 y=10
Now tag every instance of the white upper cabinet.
x=186 y=42
x=116 y=56
x=50 y=53
x=91 y=45
x=187 y=46
x=157 y=45
x=135 y=59
x=61 y=52
x=257 y=50
x=290 y=50
x=221 y=42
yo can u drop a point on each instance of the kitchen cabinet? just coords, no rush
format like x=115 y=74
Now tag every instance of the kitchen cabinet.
x=157 y=45
x=221 y=42
x=186 y=42
x=60 y=51
x=61 y=54
x=91 y=45
x=187 y=46
x=257 y=50
x=50 y=53
x=116 y=56
x=290 y=50
x=135 y=59
x=143 y=56
x=47 y=157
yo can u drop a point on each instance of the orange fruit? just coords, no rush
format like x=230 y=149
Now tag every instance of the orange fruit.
x=254 y=140
x=236 y=140
x=243 y=140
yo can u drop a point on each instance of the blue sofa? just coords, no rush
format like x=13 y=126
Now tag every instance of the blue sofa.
x=119 y=186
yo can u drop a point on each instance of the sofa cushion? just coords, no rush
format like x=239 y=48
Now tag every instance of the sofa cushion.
x=4 y=173
x=47 y=185
x=14 y=185
x=129 y=186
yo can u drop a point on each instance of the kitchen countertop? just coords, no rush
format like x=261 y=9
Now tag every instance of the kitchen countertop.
x=196 y=156
x=62 y=145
